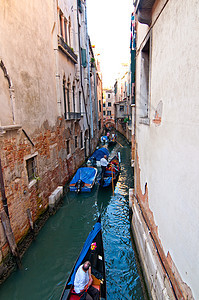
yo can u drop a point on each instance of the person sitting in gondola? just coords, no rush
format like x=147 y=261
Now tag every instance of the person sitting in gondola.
x=83 y=283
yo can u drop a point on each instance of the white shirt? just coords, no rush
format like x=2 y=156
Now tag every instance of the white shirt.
x=81 y=279
x=103 y=162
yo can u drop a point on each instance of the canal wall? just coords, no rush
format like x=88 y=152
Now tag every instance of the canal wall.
x=157 y=282
x=161 y=276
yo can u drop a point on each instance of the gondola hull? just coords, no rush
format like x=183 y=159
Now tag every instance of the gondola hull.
x=94 y=252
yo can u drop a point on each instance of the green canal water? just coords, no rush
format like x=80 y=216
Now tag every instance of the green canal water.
x=48 y=261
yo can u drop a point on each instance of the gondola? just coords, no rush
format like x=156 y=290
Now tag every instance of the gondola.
x=97 y=155
x=94 y=252
x=112 y=141
x=112 y=172
x=84 y=180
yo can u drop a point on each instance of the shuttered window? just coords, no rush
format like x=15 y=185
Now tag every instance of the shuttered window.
x=83 y=54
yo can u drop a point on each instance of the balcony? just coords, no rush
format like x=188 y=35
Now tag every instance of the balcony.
x=144 y=10
x=67 y=50
x=72 y=116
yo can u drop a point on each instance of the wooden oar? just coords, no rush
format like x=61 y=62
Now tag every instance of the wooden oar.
x=112 y=179
x=120 y=144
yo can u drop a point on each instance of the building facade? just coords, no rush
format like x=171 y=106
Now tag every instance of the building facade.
x=123 y=111
x=47 y=104
x=164 y=202
x=109 y=108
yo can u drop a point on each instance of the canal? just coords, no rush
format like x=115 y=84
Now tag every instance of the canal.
x=48 y=261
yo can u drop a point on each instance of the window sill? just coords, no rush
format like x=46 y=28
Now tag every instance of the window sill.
x=31 y=183
x=68 y=156
x=145 y=121
x=4 y=129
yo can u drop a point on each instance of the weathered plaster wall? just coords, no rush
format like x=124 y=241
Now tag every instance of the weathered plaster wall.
x=168 y=147
x=26 y=52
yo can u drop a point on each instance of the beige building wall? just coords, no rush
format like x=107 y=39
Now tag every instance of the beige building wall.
x=25 y=56
x=167 y=144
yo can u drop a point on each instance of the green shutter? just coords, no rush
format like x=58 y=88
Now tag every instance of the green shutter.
x=133 y=61
x=83 y=54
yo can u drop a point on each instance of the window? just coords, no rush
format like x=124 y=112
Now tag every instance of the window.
x=144 y=80
x=69 y=32
x=80 y=5
x=76 y=144
x=81 y=139
x=109 y=104
x=31 y=168
x=80 y=100
x=108 y=113
x=121 y=107
x=109 y=95
x=99 y=124
x=100 y=108
x=103 y=104
x=65 y=31
x=83 y=56
x=60 y=23
x=104 y=113
x=68 y=147
x=64 y=93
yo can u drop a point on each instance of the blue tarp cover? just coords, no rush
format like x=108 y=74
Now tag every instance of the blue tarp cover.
x=86 y=174
x=99 y=153
x=85 y=249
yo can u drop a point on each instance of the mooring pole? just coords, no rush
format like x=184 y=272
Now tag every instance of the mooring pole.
x=10 y=238
x=3 y=194
x=4 y=217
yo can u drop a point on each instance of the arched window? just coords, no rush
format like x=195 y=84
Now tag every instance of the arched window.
x=69 y=32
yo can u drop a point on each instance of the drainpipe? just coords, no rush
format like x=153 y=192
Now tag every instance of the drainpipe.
x=95 y=89
x=3 y=194
x=82 y=87
x=89 y=78
x=4 y=217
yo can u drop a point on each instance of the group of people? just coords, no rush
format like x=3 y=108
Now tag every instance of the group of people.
x=108 y=137
x=83 y=283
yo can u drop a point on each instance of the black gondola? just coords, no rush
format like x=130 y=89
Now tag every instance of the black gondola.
x=94 y=252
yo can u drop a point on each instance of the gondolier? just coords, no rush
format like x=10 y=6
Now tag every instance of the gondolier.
x=103 y=163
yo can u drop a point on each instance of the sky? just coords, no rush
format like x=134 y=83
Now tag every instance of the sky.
x=109 y=30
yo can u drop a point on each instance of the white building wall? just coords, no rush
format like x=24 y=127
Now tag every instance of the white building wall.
x=168 y=151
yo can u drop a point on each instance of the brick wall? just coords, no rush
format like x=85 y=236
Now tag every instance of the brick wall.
x=54 y=167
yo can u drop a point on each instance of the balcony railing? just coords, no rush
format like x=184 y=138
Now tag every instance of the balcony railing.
x=72 y=116
x=67 y=50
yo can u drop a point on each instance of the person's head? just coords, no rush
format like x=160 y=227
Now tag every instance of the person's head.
x=86 y=265
x=105 y=156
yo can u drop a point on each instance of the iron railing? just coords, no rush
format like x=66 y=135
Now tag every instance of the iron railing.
x=69 y=51
x=72 y=116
